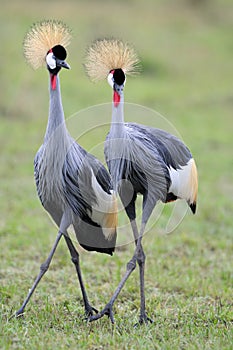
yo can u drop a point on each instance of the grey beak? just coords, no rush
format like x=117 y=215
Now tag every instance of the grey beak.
x=63 y=64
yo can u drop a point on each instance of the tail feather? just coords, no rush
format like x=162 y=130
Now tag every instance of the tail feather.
x=193 y=207
x=194 y=187
x=184 y=184
x=110 y=219
x=92 y=238
x=104 y=211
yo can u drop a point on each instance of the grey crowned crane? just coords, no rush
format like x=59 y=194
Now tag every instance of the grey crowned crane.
x=73 y=186
x=150 y=161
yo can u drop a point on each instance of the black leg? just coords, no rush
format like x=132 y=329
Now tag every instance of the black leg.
x=130 y=210
x=138 y=257
x=44 y=267
x=141 y=258
x=107 y=310
x=141 y=263
x=75 y=259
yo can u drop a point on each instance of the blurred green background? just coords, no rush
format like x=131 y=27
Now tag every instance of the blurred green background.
x=186 y=51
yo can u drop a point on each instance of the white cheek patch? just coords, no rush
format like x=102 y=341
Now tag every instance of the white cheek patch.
x=110 y=79
x=50 y=61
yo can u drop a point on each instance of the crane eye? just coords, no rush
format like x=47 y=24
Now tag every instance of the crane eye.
x=50 y=60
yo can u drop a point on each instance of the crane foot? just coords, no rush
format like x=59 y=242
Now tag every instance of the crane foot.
x=17 y=314
x=89 y=311
x=143 y=319
x=107 y=310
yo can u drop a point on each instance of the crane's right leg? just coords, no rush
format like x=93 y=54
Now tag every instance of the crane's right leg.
x=130 y=210
x=75 y=259
x=44 y=267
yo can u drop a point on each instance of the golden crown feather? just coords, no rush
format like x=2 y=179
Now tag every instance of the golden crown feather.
x=41 y=37
x=107 y=54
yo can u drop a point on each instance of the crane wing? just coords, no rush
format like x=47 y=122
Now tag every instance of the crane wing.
x=89 y=193
x=173 y=151
x=181 y=165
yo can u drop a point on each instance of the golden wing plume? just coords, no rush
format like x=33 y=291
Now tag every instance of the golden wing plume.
x=107 y=54
x=41 y=37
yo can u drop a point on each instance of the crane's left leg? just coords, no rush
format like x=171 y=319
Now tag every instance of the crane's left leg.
x=148 y=205
x=141 y=258
x=44 y=267
x=75 y=259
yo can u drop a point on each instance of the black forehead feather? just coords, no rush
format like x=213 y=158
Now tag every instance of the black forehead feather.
x=59 y=52
x=119 y=76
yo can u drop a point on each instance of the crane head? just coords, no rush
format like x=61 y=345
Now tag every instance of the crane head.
x=44 y=37
x=55 y=60
x=116 y=79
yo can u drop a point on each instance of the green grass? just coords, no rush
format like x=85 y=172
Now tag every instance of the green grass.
x=186 y=52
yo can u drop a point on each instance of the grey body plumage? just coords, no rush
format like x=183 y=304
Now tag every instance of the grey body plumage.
x=73 y=186
x=142 y=156
x=63 y=175
x=146 y=161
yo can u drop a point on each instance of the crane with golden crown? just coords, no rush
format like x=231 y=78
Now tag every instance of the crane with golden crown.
x=150 y=161
x=73 y=186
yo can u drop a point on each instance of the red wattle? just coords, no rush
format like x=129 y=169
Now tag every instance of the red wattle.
x=53 y=81
x=116 y=98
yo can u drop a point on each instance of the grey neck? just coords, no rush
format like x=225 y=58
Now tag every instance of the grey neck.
x=117 y=129
x=56 y=114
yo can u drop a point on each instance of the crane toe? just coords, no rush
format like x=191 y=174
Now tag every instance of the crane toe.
x=107 y=310
x=89 y=311
x=143 y=319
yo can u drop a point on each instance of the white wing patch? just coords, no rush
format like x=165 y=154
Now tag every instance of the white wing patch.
x=184 y=181
x=104 y=212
